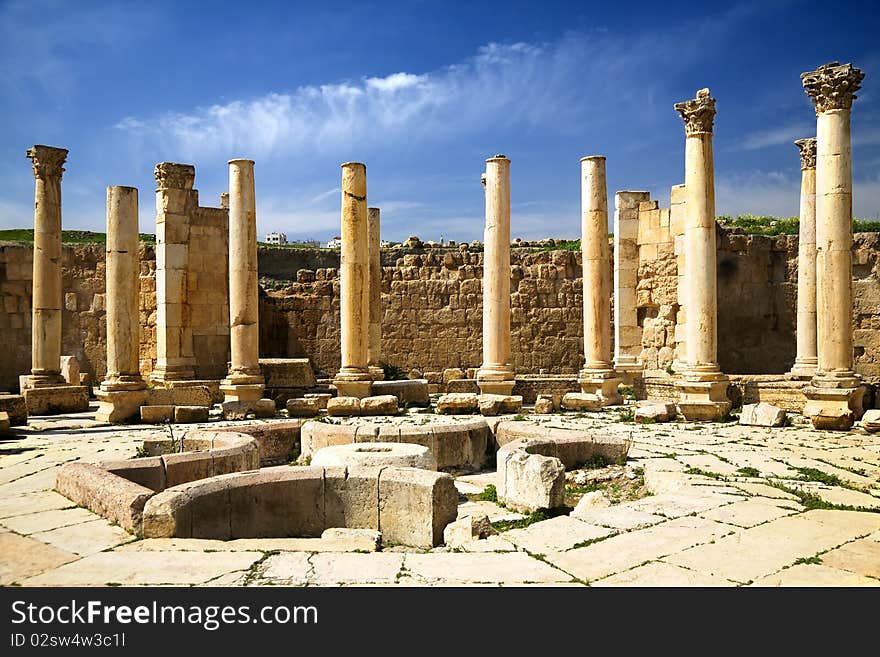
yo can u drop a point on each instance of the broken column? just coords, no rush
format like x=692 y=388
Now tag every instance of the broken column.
x=47 y=391
x=702 y=386
x=806 y=361
x=597 y=376
x=495 y=375
x=627 y=334
x=374 y=357
x=123 y=390
x=353 y=379
x=835 y=393
x=244 y=383
x=175 y=359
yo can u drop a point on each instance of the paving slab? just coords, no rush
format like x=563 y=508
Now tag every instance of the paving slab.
x=490 y=509
x=861 y=557
x=766 y=549
x=626 y=551
x=676 y=505
x=290 y=568
x=46 y=520
x=658 y=573
x=814 y=575
x=335 y=569
x=86 y=537
x=619 y=516
x=763 y=490
x=555 y=535
x=751 y=512
x=23 y=557
x=146 y=568
x=20 y=505
x=463 y=568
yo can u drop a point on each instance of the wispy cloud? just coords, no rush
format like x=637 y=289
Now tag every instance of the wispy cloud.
x=780 y=135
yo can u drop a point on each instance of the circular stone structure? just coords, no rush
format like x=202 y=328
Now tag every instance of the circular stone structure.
x=404 y=455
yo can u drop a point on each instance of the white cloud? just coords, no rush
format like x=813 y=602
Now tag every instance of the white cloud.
x=780 y=135
x=395 y=81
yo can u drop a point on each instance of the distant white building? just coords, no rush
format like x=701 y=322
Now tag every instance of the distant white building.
x=276 y=238
x=335 y=243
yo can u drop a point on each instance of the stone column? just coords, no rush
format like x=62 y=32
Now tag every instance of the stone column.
x=702 y=386
x=627 y=334
x=806 y=361
x=353 y=379
x=175 y=359
x=48 y=164
x=597 y=376
x=244 y=383
x=835 y=394
x=123 y=390
x=495 y=375
x=374 y=350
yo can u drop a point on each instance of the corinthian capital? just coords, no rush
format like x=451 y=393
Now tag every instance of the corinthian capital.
x=832 y=86
x=170 y=175
x=807 y=148
x=698 y=113
x=48 y=161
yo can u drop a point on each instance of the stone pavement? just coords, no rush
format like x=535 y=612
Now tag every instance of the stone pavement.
x=730 y=506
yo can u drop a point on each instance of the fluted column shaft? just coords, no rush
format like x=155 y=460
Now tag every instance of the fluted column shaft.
x=374 y=357
x=807 y=351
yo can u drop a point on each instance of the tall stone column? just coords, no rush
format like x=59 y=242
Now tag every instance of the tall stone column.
x=175 y=358
x=597 y=376
x=702 y=386
x=48 y=164
x=244 y=383
x=835 y=394
x=353 y=379
x=46 y=391
x=123 y=390
x=374 y=359
x=495 y=375
x=627 y=334
x=807 y=355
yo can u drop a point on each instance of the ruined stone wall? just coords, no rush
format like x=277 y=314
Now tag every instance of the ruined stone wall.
x=432 y=298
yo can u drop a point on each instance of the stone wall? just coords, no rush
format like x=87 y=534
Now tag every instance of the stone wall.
x=432 y=316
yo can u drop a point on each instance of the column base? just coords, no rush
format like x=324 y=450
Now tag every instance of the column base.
x=834 y=407
x=161 y=374
x=119 y=406
x=602 y=384
x=803 y=370
x=235 y=390
x=629 y=370
x=359 y=389
x=47 y=380
x=703 y=396
x=504 y=388
x=496 y=380
x=376 y=373
x=123 y=383
x=56 y=400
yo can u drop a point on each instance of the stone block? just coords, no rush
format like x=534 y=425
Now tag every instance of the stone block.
x=148 y=472
x=830 y=418
x=287 y=372
x=184 y=467
x=460 y=386
x=279 y=502
x=351 y=497
x=276 y=441
x=544 y=404
x=531 y=481
x=412 y=392
x=303 y=407
x=321 y=397
x=15 y=407
x=157 y=414
x=762 y=415
x=375 y=454
x=70 y=370
x=315 y=435
x=344 y=406
x=415 y=506
x=236 y=410
x=458 y=404
x=196 y=395
x=117 y=499
x=379 y=405
x=451 y=373
x=119 y=405
x=4 y=423
x=871 y=421
x=190 y=414
x=465 y=530
x=655 y=411
x=56 y=400
x=578 y=401
x=264 y=408
x=491 y=405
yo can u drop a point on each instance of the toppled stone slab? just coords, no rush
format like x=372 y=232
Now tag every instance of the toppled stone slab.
x=236 y=410
x=416 y=505
x=190 y=414
x=579 y=401
x=157 y=414
x=287 y=372
x=55 y=400
x=528 y=482
x=4 y=423
x=379 y=405
x=590 y=502
x=458 y=403
x=655 y=411
x=321 y=397
x=762 y=415
x=573 y=447
x=452 y=373
x=466 y=530
x=462 y=386
x=832 y=419
x=491 y=405
x=376 y=454
x=304 y=407
x=871 y=421
x=544 y=404
x=264 y=408
x=70 y=370
x=344 y=406
x=16 y=407
x=356 y=537
x=411 y=392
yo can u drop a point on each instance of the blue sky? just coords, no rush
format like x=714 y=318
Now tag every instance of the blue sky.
x=422 y=92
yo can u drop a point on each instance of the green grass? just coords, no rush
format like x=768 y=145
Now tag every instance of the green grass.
x=808 y=560
x=26 y=236
x=393 y=372
x=812 y=474
x=811 y=501
x=749 y=471
x=563 y=245
x=535 y=516
x=705 y=473
x=753 y=224
x=489 y=494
